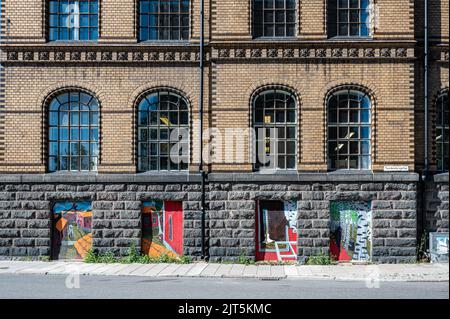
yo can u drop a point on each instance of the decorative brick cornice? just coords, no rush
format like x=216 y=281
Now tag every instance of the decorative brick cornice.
x=313 y=53
x=167 y=55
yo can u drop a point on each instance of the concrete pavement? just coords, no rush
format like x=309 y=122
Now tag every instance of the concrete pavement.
x=341 y=272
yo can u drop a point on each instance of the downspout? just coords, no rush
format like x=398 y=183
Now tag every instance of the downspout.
x=201 y=94
x=424 y=173
x=426 y=159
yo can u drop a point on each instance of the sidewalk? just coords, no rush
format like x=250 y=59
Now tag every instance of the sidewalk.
x=342 y=272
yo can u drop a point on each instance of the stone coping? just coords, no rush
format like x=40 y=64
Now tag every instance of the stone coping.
x=441 y=178
x=213 y=177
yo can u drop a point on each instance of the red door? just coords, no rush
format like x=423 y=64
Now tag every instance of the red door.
x=173 y=225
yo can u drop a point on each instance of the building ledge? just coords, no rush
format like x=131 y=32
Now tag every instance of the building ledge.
x=441 y=178
x=214 y=177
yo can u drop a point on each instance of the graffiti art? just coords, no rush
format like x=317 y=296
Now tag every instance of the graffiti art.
x=276 y=231
x=351 y=231
x=162 y=228
x=72 y=230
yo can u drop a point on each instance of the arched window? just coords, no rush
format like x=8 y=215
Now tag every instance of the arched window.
x=275 y=124
x=163 y=132
x=73 y=132
x=348 y=18
x=349 y=130
x=442 y=138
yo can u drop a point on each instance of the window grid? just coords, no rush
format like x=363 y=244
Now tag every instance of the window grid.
x=163 y=118
x=164 y=20
x=274 y=18
x=275 y=123
x=352 y=18
x=73 y=133
x=349 y=131
x=73 y=20
x=442 y=133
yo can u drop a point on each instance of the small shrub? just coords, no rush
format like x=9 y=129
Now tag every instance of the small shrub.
x=320 y=259
x=91 y=257
x=107 y=258
x=245 y=260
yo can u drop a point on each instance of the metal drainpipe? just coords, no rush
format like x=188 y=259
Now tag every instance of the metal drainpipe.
x=426 y=164
x=201 y=94
x=424 y=173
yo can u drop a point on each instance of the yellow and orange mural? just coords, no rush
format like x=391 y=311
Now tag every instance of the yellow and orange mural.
x=72 y=230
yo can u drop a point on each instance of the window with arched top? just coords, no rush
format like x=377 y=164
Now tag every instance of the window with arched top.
x=275 y=123
x=73 y=132
x=349 y=130
x=442 y=128
x=163 y=132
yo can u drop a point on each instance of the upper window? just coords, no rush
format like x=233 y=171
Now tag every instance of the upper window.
x=73 y=132
x=348 y=18
x=164 y=20
x=274 y=18
x=442 y=138
x=275 y=123
x=163 y=132
x=73 y=20
x=349 y=131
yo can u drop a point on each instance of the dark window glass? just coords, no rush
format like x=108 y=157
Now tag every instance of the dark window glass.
x=442 y=130
x=274 y=18
x=73 y=20
x=163 y=132
x=349 y=127
x=275 y=124
x=164 y=20
x=73 y=132
x=348 y=18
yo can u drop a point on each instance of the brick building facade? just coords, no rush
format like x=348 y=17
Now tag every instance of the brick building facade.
x=346 y=98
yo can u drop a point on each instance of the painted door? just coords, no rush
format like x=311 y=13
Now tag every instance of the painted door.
x=276 y=231
x=162 y=228
x=351 y=231
x=173 y=219
x=71 y=230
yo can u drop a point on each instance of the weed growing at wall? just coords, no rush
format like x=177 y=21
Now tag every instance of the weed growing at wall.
x=133 y=257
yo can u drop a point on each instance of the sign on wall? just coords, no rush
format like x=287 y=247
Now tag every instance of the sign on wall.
x=162 y=228
x=439 y=247
x=351 y=231
x=71 y=230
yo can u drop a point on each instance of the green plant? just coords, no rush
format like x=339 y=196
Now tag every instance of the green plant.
x=184 y=260
x=91 y=257
x=423 y=254
x=44 y=258
x=244 y=259
x=107 y=258
x=320 y=259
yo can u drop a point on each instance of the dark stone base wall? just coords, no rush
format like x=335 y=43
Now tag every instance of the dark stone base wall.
x=232 y=217
x=25 y=214
x=436 y=204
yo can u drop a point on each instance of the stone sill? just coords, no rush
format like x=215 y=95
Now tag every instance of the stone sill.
x=213 y=177
x=441 y=178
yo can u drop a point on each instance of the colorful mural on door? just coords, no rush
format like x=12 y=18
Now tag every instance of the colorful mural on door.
x=351 y=231
x=276 y=231
x=72 y=230
x=162 y=228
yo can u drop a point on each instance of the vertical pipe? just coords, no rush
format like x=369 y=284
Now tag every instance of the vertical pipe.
x=201 y=93
x=426 y=158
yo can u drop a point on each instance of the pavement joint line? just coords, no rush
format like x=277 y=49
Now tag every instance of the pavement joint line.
x=170 y=270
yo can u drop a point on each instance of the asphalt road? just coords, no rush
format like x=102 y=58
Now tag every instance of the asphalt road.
x=100 y=287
